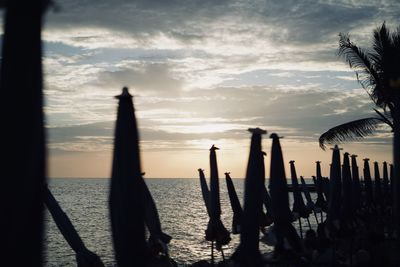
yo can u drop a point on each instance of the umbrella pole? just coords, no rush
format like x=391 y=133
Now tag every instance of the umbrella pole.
x=222 y=253
x=309 y=224
x=322 y=217
x=212 y=253
x=301 y=230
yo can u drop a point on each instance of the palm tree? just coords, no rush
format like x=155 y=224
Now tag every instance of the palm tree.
x=378 y=71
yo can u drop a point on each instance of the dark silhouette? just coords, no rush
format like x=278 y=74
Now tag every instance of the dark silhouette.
x=378 y=72
x=280 y=200
x=158 y=238
x=385 y=186
x=299 y=209
x=204 y=190
x=335 y=191
x=320 y=203
x=377 y=186
x=368 y=184
x=126 y=200
x=267 y=217
x=84 y=257
x=347 y=186
x=235 y=204
x=23 y=169
x=216 y=231
x=248 y=253
x=356 y=187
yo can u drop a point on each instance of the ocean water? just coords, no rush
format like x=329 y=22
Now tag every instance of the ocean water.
x=179 y=203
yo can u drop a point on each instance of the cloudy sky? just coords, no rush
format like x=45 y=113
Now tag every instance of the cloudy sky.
x=202 y=72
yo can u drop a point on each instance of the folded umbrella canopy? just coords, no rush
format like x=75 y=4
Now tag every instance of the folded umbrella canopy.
x=299 y=209
x=310 y=204
x=216 y=231
x=356 y=185
x=369 y=200
x=267 y=218
x=326 y=188
x=280 y=199
x=335 y=189
x=386 y=191
x=205 y=192
x=320 y=202
x=152 y=220
x=378 y=197
x=235 y=204
x=126 y=199
x=248 y=253
x=347 y=185
x=84 y=257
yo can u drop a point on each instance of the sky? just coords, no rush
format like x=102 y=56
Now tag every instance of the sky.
x=202 y=72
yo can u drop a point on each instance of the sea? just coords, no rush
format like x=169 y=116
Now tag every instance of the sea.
x=180 y=206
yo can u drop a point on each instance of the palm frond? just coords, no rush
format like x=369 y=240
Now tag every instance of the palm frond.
x=350 y=131
x=386 y=117
x=362 y=62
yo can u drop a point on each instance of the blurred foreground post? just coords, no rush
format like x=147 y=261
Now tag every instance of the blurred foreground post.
x=23 y=168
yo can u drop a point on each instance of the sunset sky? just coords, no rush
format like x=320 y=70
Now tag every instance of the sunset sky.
x=202 y=72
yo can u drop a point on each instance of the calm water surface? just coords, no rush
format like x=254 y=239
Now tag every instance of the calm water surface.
x=179 y=203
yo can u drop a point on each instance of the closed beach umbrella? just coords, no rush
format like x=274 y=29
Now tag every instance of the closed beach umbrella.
x=347 y=186
x=326 y=188
x=356 y=185
x=378 y=185
x=299 y=208
x=280 y=198
x=204 y=190
x=320 y=202
x=235 y=204
x=310 y=204
x=152 y=219
x=391 y=180
x=23 y=165
x=386 y=191
x=126 y=199
x=335 y=188
x=368 y=184
x=84 y=257
x=266 y=198
x=248 y=253
x=216 y=231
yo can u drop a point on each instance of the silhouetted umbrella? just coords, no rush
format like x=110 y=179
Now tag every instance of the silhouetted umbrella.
x=216 y=231
x=126 y=200
x=386 y=191
x=347 y=186
x=391 y=181
x=280 y=198
x=248 y=253
x=299 y=209
x=267 y=218
x=204 y=190
x=378 y=197
x=335 y=189
x=152 y=220
x=310 y=204
x=320 y=202
x=235 y=204
x=326 y=188
x=84 y=257
x=23 y=147
x=356 y=187
x=368 y=183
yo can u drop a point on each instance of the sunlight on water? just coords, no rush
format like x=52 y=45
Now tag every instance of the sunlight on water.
x=181 y=209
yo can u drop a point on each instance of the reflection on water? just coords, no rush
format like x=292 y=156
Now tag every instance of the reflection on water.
x=180 y=205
